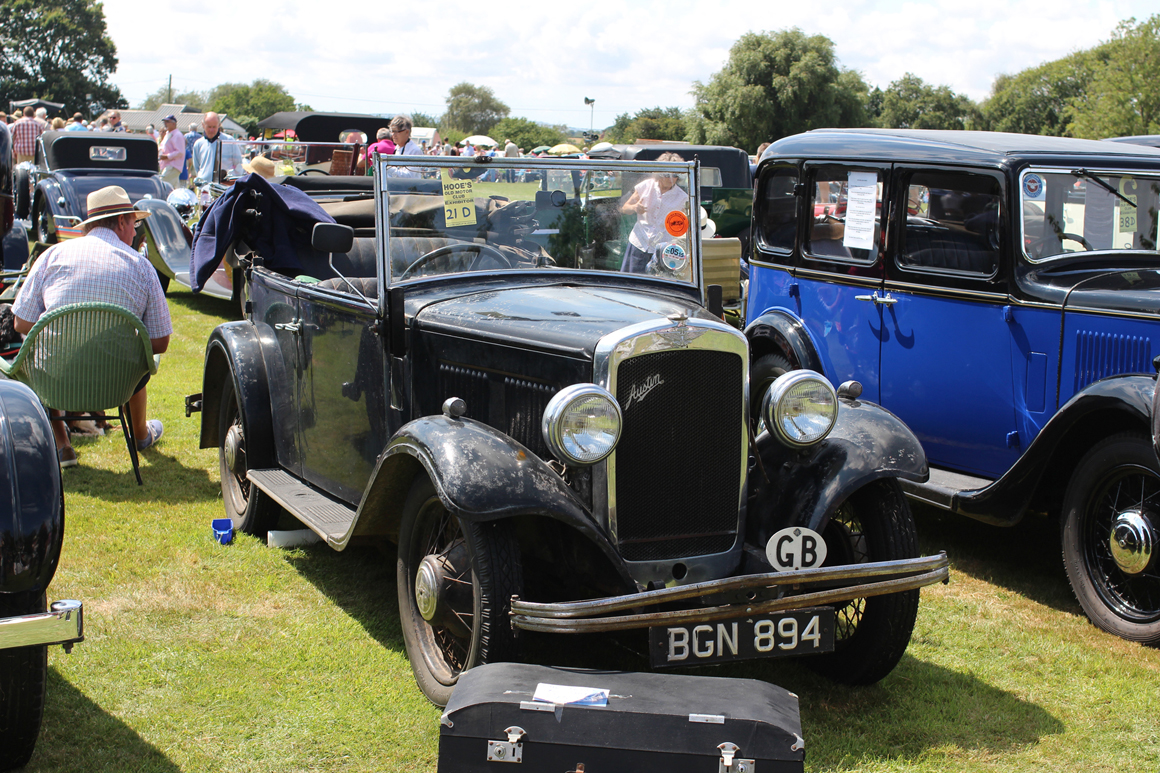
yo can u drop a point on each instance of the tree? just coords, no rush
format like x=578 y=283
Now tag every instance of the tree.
x=1039 y=100
x=656 y=123
x=773 y=85
x=911 y=103
x=473 y=109
x=57 y=50
x=527 y=134
x=250 y=104
x=198 y=100
x=423 y=119
x=1122 y=97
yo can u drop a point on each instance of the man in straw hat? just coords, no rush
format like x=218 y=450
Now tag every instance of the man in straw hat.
x=100 y=266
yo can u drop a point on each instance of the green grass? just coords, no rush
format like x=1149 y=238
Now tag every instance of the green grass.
x=200 y=657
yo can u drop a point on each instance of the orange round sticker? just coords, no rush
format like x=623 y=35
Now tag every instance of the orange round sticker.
x=676 y=223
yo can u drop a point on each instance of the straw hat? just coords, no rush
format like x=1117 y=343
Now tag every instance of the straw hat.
x=110 y=202
x=261 y=165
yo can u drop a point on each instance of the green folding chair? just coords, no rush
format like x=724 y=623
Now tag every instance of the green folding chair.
x=86 y=358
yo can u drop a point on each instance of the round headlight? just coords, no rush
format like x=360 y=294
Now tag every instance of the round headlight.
x=800 y=408
x=581 y=424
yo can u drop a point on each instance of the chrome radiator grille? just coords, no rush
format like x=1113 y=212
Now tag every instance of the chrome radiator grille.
x=678 y=465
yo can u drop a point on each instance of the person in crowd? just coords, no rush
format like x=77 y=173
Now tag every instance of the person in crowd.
x=103 y=125
x=151 y=132
x=101 y=266
x=404 y=146
x=214 y=152
x=192 y=135
x=3 y=117
x=77 y=124
x=42 y=117
x=447 y=148
x=24 y=134
x=383 y=145
x=510 y=150
x=651 y=199
x=115 y=124
x=171 y=151
x=57 y=123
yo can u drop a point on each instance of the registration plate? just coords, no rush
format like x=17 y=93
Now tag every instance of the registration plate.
x=781 y=634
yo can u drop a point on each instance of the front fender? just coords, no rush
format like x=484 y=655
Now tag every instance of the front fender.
x=165 y=237
x=234 y=351
x=777 y=331
x=480 y=474
x=31 y=501
x=805 y=488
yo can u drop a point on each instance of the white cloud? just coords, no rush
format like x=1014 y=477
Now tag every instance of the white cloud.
x=542 y=61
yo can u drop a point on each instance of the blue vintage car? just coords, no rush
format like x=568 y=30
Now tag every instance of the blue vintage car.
x=999 y=293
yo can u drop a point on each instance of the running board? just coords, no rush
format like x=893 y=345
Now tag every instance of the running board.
x=326 y=517
x=944 y=489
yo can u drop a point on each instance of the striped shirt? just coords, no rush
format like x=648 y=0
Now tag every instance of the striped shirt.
x=96 y=267
x=24 y=134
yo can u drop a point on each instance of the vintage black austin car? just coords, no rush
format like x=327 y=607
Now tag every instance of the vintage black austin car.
x=460 y=367
x=31 y=536
x=1000 y=293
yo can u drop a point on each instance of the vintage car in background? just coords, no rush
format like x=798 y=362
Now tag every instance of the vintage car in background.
x=31 y=535
x=460 y=367
x=1000 y=294
x=53 y=191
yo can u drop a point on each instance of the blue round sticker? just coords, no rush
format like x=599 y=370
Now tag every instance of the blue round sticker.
x=674 y=257
x=1033 y=186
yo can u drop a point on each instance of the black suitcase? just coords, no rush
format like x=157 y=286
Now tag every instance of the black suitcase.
x=652 y=723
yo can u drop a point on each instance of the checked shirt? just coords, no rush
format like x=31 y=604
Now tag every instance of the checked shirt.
x=96 y=267
x=24 y=134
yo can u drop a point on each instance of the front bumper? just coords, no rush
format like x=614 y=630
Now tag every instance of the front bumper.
x=733 y=596
x=63 y=624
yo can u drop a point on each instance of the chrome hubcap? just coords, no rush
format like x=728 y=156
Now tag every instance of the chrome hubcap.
x=427 y=585
x=234 y=449
x=1132 y=541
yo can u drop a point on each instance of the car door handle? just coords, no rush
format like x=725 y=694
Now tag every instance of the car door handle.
x=883 y=300
x=291 y=327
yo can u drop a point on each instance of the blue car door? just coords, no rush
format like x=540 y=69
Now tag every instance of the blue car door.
x=839 y=277
x=946 y=346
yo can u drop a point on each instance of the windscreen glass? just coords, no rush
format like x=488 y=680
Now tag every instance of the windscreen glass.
x=1088 y=210
x=575 y=215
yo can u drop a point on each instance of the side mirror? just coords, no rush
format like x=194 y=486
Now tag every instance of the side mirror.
x=332 y=237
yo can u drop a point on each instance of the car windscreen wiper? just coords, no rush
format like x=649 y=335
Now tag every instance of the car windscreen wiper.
x=1100 y=182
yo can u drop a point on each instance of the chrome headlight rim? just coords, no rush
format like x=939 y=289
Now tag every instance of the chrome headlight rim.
x=777 y=392
x=552 y=424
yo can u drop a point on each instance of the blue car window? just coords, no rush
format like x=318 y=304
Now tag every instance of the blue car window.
x=777 y=225
x=952 y=223
x=830 y=238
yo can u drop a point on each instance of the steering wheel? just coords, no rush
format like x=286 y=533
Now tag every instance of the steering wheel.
x=1037 y=244
x=451 y=249
x=312 y=170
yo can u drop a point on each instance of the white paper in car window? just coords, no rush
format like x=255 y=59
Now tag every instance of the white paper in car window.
x=861 y=196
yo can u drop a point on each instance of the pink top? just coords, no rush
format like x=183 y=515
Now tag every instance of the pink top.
x=172 y=151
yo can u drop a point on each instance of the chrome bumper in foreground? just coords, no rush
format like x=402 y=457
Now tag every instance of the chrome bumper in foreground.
x=839 y=584
x=62 y=624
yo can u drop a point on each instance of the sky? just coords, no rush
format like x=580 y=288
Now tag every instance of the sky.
x=542 y=63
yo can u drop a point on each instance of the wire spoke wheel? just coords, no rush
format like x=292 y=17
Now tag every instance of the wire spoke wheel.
x=1110 y=526
x=871 y=634
x=455 y=583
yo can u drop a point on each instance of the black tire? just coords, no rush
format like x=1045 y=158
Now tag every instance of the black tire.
x=42 y=223
x=762 y=373
x=21 y=191
x=871 y=634
x=1120 y=474
x=23 y=678
x=467 y=628
x=251 y=510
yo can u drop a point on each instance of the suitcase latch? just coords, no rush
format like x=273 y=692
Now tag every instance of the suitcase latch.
x=730 y=763
x=511 y=750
